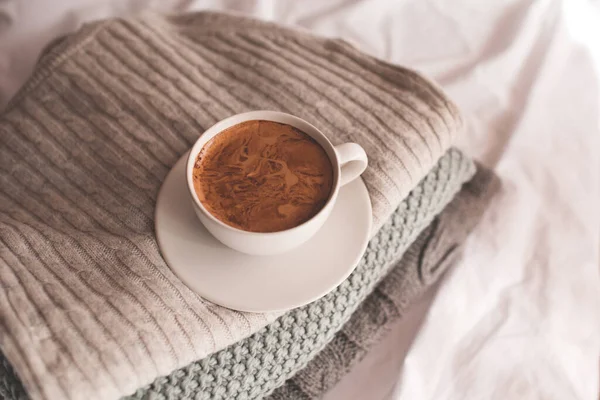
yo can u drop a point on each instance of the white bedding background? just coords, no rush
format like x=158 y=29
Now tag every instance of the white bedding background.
x=519 y=318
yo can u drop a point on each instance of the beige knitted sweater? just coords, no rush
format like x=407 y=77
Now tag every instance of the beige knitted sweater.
x=85 y=146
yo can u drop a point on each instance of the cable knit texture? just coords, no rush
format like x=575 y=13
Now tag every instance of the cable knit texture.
x=252 y=368
x=255 y=366
x=88 y=308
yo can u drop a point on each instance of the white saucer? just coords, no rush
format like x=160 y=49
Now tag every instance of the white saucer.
x=260 y=283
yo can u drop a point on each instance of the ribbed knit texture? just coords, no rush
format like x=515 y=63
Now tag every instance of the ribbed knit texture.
x=436 y=249
x=256 y=365
x=252 y=368
x=88 y=307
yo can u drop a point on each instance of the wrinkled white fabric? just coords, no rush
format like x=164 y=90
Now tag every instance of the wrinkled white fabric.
x=520 y=317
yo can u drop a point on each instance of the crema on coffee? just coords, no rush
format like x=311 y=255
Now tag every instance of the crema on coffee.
x=263 y=176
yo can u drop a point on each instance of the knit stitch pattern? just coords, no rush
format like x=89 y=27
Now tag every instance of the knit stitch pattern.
x=434 y=251
x=89 y=309
x=252 y=368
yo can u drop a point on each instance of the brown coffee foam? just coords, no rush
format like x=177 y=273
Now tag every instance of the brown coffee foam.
x=263 y=176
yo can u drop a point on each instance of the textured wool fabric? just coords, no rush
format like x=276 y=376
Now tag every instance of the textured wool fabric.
x=256 y=365
x=435 y=250
x=89 y=309
x=173 y=77
x=253 y=367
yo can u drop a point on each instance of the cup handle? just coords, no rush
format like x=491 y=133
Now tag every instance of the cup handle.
x=353 y=161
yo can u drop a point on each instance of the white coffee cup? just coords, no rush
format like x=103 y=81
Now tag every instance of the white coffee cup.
x=349 y=160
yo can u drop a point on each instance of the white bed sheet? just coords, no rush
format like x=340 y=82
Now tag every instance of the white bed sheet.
x=519 y=318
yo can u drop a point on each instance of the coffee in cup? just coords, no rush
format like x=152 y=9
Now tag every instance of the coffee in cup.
x=221 y=175
x=263 y=176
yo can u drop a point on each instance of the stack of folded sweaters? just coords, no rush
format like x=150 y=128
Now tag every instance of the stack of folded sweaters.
x=90 y=310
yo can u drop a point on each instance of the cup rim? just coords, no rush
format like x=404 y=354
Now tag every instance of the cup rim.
x=265 y=115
